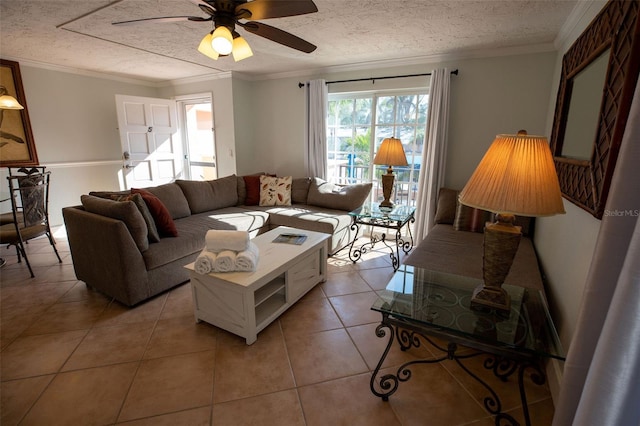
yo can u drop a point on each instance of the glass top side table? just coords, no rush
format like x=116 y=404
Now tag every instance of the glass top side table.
x=395 y=218
x=419 y=304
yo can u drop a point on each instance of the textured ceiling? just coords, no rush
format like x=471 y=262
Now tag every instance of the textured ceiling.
x=78 y=34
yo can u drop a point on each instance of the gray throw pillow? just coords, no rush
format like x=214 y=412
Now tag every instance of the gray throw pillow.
x=153 y=235
x=446 y=209
x=332 y=196
x=173 y=199
x=125 y=211
x=300 y=190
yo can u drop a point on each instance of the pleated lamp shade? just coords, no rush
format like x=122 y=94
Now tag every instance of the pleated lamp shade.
x=516 y=176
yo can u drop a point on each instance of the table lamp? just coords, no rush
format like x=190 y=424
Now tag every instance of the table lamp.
x=390 y=153
x=516 y=176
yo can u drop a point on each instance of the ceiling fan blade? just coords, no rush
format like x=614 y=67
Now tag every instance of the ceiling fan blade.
x=265 y=9
x=162 y=20
x=279 y=36
x=204 y=6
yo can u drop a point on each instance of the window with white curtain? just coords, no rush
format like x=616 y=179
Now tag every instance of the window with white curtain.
x=356 y=125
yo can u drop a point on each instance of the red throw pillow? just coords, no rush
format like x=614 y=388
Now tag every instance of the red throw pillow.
x=161 y=216
x=253 y=190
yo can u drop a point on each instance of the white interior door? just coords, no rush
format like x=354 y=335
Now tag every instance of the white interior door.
x=151 y=148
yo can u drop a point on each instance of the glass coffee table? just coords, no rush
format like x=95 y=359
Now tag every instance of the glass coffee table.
x=395 y=218
x=419 y=305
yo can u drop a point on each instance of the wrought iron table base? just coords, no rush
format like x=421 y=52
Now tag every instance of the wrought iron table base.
x=356 y=253
x=503 y=367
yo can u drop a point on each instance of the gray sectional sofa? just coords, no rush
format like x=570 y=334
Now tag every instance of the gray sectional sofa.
x=118 y=249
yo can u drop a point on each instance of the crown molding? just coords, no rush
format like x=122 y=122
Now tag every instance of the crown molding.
x=78 y=71
x=416 y=60
x=575 y=22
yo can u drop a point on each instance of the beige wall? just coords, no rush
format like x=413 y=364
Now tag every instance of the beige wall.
x=75 y=129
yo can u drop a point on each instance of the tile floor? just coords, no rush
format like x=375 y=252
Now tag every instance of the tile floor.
x=70 y=356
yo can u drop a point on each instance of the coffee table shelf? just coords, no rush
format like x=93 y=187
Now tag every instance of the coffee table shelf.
x=244 y=303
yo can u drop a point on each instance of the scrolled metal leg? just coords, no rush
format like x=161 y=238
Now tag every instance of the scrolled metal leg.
x=492 y=402
x=388 y=383
x=538 y=377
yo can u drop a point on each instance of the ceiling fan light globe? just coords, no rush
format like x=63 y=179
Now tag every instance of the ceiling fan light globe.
x=241 y=49
x=206 y=49
x=222 y=40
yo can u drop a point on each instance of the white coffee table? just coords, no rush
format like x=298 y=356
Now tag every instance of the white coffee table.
x=244 y=303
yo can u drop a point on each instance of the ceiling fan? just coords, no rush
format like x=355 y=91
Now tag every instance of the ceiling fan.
x=224 y=40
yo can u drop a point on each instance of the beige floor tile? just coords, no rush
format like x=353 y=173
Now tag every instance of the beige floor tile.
x=372 y=347
x=377 y=278
x=249 y=370
x=18 y=396
x=165 y=385
x=85 y=397
x=33 y=294
x=540 y=413
x=119 y=314
x=345 y=283
x=179 y=336
x=274 y=409
x=308 y=316
x=195 y=417
x=80 y=291
x=68 y=316
x=179 y=303
x=16 y=319
x=347 y=402
x=432 y=393
x=508 y=391
x=111 y=345
x=322 y=356
x=355 y=309
x=36 y=355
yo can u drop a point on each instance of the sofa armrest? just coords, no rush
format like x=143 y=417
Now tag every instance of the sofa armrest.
x=105 y=255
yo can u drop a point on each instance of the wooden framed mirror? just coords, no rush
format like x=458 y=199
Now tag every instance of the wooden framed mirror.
x=599 y=75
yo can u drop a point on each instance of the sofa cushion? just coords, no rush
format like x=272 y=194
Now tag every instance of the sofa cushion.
x=446 y=208
x=275 y=191
x=126 y=211
x=173 y=199
x=225 y=192
x=470 y=219
x=300 y=190
x=161 y=216
x=137 y=199
x=329 y=195
x=199 y=195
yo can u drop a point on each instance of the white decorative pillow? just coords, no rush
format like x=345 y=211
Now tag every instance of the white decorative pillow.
x=275 y=191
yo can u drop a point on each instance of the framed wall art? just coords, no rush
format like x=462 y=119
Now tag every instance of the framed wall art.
x=17 y=148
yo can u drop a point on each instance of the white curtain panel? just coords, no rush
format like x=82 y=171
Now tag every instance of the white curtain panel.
x=316 y=98
x=601 y=378
x=434 y=154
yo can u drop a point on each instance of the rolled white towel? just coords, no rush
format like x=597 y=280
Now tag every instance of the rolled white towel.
x=247 y=260
x=220 y=240
x=225 y=261
x=205 y=262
